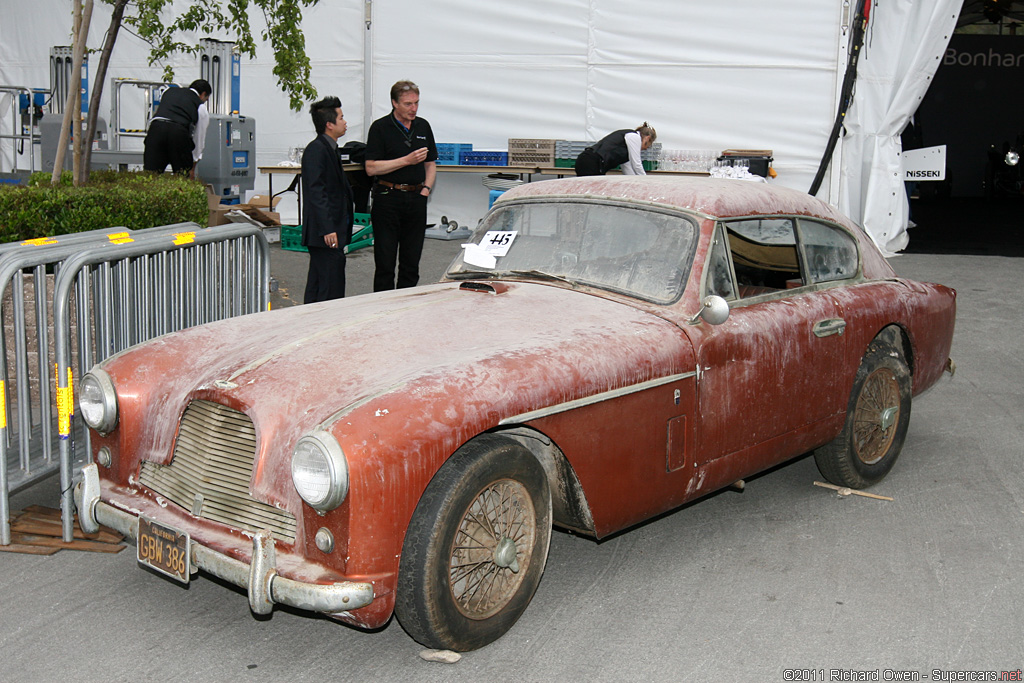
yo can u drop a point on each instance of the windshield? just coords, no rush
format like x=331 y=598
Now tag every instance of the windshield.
x=641 y=252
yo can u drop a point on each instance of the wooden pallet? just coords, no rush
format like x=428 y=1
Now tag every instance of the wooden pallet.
x=37 y=530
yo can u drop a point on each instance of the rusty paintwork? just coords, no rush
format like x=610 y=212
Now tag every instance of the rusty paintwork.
x=647 y=410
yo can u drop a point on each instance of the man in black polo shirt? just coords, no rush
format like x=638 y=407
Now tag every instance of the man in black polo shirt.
x=401 y=154
x=169 y=139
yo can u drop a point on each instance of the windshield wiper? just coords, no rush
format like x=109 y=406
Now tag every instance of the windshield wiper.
x=471 y=274
x=541 y=275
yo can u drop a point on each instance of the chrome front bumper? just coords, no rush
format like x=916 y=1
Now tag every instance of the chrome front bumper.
x=260 y=579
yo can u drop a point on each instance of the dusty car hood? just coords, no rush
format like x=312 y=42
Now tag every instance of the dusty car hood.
x=528 y=346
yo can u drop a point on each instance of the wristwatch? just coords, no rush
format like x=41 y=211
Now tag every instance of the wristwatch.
x=428 y=188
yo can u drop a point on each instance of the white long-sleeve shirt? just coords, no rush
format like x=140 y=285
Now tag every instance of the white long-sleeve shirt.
x=635 y=165
x=199 y=134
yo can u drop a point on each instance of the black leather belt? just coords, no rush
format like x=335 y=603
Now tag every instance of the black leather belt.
x=400 y=187
x=173 y=123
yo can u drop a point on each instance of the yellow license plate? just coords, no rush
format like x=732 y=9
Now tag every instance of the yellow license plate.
x=164 y=549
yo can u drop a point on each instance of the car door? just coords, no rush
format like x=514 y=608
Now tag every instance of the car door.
x=768 y=372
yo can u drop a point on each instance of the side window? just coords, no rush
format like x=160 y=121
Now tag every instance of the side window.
x=719 y=273
x=764 y=255
x=829 y=252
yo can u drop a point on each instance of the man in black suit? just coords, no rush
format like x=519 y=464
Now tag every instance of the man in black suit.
x=171 y=135
x=327 y=211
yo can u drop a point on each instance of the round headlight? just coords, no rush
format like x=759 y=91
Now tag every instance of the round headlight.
x=1012 y=158
x=319 y=471
x=98 y=401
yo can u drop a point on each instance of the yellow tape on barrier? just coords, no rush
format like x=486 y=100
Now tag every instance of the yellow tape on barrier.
x=65 y=404
x=184 y=237
x=119 y=238
x=3 y=405
x=39 y=242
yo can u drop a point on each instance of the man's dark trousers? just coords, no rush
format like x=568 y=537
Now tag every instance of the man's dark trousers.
x=399 y=219
x=168 y=142
x=326 y=279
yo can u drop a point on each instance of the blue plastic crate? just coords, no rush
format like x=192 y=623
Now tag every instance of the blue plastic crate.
x=493 y=196
x=449 y=153
x=481 y=158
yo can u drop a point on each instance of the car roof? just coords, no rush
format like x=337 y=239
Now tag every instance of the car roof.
x=715 y=197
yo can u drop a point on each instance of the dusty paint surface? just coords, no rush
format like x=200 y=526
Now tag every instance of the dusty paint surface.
x=403 y=379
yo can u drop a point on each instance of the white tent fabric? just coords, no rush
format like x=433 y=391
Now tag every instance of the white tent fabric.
x=904 y=47
x=710 y=76
x=743 y=74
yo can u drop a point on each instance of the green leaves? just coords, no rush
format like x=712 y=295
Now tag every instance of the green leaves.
x=167 y=35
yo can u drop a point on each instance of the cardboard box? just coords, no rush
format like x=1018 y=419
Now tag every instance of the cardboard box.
x=212 y=199
x=264 y=202
x=246 y=213
x=218 y=216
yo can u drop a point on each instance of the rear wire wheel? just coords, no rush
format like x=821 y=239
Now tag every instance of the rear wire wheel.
x=476 y=547
x=877 y=418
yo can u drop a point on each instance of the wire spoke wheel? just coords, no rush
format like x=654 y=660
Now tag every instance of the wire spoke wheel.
x=877 y=418
x=491 y=551
x=877 y=413
x=476 y=546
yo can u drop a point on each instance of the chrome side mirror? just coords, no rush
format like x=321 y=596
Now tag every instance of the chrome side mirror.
x=714 y=311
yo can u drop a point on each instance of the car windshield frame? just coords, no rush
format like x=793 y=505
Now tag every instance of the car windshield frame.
x=645 y=252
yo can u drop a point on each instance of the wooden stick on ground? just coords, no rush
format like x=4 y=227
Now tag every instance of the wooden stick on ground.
x=845 y=491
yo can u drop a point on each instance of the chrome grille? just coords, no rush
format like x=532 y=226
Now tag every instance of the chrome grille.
x=210 y=471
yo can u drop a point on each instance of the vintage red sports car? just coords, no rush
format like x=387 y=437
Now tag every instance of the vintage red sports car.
x=607 y=349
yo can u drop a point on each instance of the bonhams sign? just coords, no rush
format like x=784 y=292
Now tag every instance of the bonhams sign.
x=990 y=59
x=975 y=102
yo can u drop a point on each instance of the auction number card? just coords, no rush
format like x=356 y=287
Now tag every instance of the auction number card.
x=493 y=246
x=497 y=242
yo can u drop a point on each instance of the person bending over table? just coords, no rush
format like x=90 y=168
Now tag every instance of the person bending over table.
x=622 y=147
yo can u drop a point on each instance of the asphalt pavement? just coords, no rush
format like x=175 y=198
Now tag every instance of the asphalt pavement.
x=783 y=581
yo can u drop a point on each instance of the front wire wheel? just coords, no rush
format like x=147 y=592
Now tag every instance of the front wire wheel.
x=491 y=549
x=476 y=546
x=877 y=418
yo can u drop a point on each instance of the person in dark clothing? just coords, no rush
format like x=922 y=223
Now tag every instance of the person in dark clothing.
x=169 y=139
x=354 y=152
x=327 y=211
x=401 y=154
x=622 y=147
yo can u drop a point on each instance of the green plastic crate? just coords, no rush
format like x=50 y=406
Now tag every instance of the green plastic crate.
x=291 y=238
x=291 y=235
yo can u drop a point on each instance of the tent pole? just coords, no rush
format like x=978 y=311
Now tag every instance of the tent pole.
x=860 y=23
x=367 y=67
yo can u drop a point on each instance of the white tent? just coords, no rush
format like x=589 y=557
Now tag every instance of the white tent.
x=739 y=74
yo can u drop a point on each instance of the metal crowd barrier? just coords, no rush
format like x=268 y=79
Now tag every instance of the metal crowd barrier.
x=112 y=289
x=18 y=133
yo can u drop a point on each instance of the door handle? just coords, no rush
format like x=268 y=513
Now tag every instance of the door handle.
x=824 y=328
